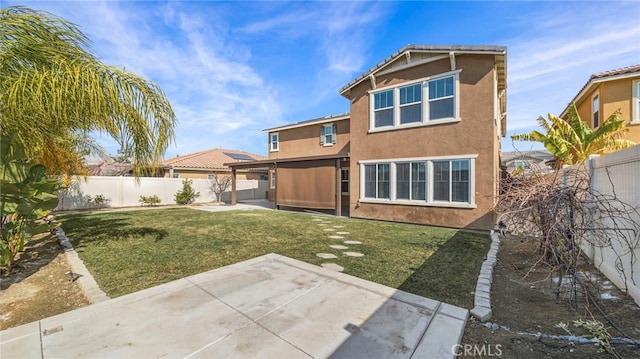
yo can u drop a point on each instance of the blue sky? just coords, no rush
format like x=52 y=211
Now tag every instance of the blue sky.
x=232 y=69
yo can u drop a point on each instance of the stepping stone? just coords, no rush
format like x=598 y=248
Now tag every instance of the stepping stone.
x=332 y=266
x=329 y=229
x=343 y=232
x=353 y=254
x=317 y=219
x=322 y=224
x=338 y=226
x=326 y=255
x=336 y=237
x=338 y=246
x=352 y=242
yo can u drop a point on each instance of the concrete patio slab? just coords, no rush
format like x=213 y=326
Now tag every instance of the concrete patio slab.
x=267 y=307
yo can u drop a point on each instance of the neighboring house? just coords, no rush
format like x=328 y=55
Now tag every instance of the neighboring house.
x=206 y=164
x=534 y=161
x=607 y=92
x=421 y=143
x=109 y=169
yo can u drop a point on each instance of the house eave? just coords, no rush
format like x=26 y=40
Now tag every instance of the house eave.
x=317 y=121
x=446 y=51
x=273 y=162
x=588 y=87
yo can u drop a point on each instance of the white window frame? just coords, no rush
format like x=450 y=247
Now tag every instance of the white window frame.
x=175 y=175
x=332 y=132
x=429 y=202
x=635 y=104
x=425 y=120
x=275 y=148
x=595 y=97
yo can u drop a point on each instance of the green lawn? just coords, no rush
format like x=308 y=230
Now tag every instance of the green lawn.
x=129 y=251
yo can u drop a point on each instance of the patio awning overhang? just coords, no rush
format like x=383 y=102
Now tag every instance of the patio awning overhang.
x=324 y=171
x=275 y=161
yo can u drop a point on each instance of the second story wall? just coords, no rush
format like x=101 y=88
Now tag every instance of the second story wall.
x=314 y=139
x=613 y=95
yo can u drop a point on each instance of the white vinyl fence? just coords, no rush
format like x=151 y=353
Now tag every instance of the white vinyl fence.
x=126 y=191
x=618 y=174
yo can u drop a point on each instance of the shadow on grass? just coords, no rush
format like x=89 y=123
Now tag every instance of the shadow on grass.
x=85 y=229
x=37 y=253
x=450 y=274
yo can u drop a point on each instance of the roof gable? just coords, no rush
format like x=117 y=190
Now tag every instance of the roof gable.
x=611 y=75
x=413 y=55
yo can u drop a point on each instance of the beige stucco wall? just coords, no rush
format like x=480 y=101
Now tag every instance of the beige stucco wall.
x=614 y=95
x=475 y=134
x=305 y=141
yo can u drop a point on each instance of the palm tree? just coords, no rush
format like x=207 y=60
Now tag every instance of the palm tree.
x=572 y=141
x=54 y=91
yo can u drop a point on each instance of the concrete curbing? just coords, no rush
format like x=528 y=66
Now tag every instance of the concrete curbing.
x=86 y=281
x=482 y=301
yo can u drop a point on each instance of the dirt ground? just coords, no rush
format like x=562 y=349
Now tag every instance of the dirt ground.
x=39 y=288
x=529 y=305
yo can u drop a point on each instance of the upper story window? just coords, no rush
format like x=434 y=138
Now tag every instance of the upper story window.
x=411 y=103
x=274 y=142
x=441 y=98
x=635 y=104
x=428 y=101
x=383 y=108
x=595 y=110
x=328 y=134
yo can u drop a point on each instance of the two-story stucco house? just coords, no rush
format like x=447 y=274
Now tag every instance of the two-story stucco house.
x=421 y=143
x=610 y=91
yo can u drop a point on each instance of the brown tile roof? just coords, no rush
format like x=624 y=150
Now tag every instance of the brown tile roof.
x=210 y=159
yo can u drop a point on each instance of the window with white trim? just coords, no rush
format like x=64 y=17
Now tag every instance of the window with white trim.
x=377 y=180
x=429 y=182
x=451 y=181
x=176 y=175
x=595 y=110
x=635 y=104
x=274 y=141
x=427 y=101
x=328 y=134
x=411 y=181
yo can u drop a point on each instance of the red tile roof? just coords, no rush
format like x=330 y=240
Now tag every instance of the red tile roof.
x=601 y=77
x=616 y=72
x=210 y=159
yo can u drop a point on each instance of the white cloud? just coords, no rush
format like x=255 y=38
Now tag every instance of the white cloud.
x=549 y=63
